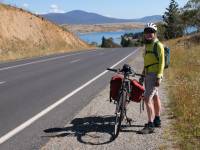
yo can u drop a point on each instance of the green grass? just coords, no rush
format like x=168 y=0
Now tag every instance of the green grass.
x=184 y=91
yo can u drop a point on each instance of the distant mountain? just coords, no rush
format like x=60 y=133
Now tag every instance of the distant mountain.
x=82 y=17
x=154 y=18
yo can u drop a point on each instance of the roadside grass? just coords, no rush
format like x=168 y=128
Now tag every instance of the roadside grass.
x=22 y=50
x=184 y=91
x=13 y=55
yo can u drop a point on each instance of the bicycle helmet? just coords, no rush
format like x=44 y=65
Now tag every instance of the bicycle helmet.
x=151 y=27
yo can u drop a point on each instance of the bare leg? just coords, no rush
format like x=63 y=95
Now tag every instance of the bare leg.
x=157 y=105
x=150 y=109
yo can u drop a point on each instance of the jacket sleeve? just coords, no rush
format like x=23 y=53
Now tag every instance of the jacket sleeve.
x=161 y=56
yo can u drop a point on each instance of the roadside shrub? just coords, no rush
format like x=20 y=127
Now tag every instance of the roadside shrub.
x=108 y=43
x=130 y=39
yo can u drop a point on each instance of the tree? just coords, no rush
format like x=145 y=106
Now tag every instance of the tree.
x=108 y=43
x=161 y=31
x=103 y=41
x=172 y=20
x=191 y=14
x=132 y=39
x=124 y=41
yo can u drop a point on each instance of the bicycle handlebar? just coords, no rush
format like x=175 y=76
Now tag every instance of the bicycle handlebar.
x=141 y=75
x=113 y=70
x=130 y=73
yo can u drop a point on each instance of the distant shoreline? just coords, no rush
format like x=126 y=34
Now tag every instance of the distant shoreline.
x=109 y=27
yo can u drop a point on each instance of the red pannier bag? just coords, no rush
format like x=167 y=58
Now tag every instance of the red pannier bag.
x=137 y=91
x=115 y=85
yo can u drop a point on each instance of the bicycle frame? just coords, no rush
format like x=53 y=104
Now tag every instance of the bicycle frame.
x=125 y=87
x=123 y=96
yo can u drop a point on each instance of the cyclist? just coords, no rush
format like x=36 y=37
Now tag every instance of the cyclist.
x=153 y=70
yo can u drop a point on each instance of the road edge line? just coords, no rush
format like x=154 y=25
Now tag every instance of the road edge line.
x=51 y=107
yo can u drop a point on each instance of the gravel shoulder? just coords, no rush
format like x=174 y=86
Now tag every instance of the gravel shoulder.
x=91 y=128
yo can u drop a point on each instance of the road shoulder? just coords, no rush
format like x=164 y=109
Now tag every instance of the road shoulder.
x=92 y=127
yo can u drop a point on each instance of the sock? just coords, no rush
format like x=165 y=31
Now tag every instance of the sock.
x=157 y=117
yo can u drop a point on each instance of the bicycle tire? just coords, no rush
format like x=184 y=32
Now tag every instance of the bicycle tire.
x=120 y=114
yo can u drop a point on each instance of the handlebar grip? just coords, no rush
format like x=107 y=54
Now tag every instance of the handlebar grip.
x=114 y=70
x=141 y=75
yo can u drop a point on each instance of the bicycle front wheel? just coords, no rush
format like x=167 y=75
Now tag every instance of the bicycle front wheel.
x=120 y=113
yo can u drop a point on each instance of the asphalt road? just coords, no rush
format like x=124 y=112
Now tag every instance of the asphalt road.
x=40 y=93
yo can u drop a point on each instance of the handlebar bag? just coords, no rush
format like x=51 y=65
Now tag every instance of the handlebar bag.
x=115 y=85
x=137 y=91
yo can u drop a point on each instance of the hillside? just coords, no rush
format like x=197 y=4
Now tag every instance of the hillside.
x=82 y=17
x=23 y=34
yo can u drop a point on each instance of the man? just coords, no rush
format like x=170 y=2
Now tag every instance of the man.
x=153 y=70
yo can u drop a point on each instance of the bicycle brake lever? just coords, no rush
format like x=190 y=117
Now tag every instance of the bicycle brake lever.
x=119 y=70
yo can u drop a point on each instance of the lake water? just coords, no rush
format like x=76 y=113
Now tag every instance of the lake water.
x=97 y=36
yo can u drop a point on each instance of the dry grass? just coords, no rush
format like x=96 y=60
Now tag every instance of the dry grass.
x=25 y=35
x=184 y=90
x=103 y=27
x=13 y=55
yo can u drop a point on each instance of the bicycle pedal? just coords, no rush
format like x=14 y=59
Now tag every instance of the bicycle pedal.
x=129 y=120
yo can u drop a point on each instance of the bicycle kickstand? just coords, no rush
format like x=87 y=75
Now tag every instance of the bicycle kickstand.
x=128 y=120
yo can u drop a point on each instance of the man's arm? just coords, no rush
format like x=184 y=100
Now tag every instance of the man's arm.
x=161 y=56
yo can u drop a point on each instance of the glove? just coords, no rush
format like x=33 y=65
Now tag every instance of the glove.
x=141 y=80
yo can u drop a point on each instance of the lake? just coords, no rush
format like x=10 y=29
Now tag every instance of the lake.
x=116 y=35
x=97 y=36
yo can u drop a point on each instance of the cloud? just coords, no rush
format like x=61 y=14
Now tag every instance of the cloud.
x=25 y=5
x=55 y=9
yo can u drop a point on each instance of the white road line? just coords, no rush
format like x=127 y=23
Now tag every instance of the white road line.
x=74 y=61
x=41 y=61
x=2 y=82
x=51 y=107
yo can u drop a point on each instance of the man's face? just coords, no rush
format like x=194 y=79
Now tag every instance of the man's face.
x=149 y=36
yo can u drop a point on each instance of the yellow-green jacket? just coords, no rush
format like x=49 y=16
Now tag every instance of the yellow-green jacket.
x=150 y=58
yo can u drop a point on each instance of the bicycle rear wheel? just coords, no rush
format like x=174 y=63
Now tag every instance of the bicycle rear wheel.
x=120 y=113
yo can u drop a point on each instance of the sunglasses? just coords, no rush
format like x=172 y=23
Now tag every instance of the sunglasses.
x=149 y=30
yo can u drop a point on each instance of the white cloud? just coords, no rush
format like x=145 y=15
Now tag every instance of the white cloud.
x=25 y=5
x=55 y=9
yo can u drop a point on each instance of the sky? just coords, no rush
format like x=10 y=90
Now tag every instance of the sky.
x=124 y=9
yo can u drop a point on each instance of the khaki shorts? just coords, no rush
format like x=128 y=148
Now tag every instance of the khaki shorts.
x=150 y=86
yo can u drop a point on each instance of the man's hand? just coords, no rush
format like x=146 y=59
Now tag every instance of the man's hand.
x=158 y=80
x=141 y=80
